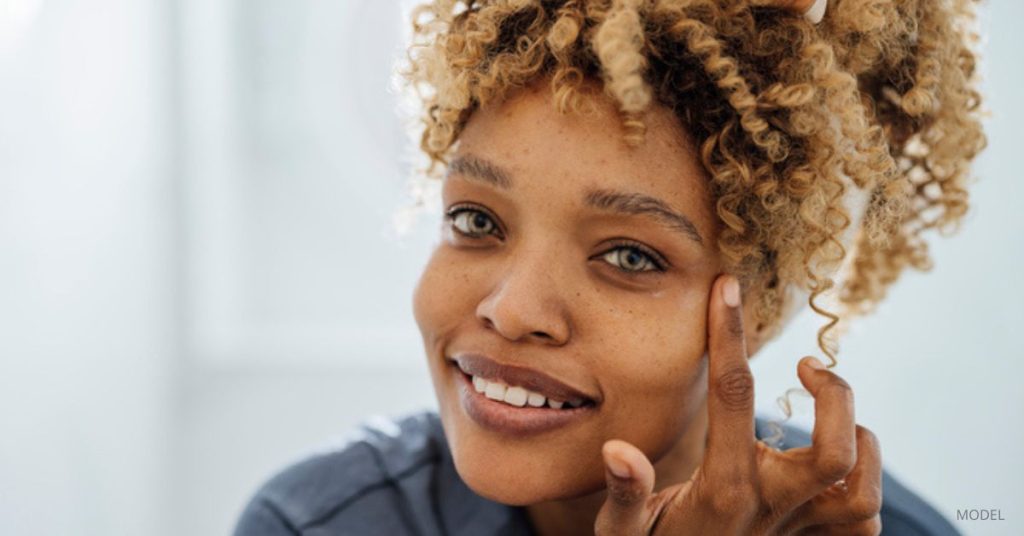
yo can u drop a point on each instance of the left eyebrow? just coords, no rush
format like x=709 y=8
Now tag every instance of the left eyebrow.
x=633 y=203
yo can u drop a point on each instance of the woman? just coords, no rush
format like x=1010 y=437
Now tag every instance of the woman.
x=636 y=193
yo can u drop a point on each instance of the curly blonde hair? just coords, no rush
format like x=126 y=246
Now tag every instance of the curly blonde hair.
x=880 y=96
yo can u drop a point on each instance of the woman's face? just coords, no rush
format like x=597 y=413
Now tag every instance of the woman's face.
x=568 y=253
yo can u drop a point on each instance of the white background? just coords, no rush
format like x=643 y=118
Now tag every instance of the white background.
x=199 y=281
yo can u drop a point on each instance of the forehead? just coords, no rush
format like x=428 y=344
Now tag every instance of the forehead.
x=564 y=155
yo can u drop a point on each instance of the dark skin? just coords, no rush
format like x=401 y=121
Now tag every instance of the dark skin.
x=541 y=281
x=742 y=486
x=530 y=274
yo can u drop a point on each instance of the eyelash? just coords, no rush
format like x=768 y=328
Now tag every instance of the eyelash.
x=653 y=257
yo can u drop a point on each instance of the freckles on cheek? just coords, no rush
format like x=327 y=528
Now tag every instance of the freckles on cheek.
x=659 y=354
x=652 y=363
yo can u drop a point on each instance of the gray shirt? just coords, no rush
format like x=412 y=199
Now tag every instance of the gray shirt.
x=396 y=477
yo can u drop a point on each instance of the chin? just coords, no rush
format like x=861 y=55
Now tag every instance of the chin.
x=503 y=493
x=512 y=484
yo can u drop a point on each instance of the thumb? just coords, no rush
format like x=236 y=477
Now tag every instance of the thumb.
x=630 y=478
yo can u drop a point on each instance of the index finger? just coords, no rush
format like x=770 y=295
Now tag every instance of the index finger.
x=730 y=455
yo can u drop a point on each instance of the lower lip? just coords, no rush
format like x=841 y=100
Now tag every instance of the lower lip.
x=507 y=419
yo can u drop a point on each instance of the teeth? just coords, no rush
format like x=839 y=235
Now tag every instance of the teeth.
x=535 y=400
x=495 y=391
x=517 y=396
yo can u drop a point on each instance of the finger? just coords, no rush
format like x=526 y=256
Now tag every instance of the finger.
x=630 y=478
x=730 y=456
x=862 y=498
x=870 y=527
x=798 y=474
x=833 y=440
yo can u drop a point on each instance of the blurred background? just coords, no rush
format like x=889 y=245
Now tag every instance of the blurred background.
x=199 y=280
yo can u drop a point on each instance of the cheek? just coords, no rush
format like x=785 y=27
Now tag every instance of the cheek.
x=655 y=333
x=652 y=354
x=436 y=304
x=657 y=363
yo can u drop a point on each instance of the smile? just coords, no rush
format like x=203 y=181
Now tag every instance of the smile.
x=519 y=396
x=497 y=380
x=515 y=410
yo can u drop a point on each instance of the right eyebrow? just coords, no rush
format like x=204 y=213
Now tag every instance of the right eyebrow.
x=478 y=168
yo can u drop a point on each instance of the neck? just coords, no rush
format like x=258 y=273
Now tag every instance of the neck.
x=576 y=516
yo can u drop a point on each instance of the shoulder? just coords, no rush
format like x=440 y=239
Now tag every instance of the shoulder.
x=371 y=469
x=390 y=476
x=904 y=513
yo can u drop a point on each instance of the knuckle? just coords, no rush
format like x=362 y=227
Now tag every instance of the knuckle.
x=735 y=388
x=833 y=465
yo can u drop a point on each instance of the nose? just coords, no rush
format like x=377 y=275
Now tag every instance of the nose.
x=527 y=302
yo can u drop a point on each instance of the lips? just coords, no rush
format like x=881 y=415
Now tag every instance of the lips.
x=527 y=378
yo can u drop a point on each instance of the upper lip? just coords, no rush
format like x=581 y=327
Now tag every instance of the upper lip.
x=527 y=378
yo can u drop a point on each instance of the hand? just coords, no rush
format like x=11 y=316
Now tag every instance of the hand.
x=744 y=486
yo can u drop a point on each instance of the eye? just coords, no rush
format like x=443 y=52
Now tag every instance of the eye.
x=629 y=257
x=633 y=258
x=471 y=222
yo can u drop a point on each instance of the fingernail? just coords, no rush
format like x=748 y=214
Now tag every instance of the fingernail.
x=815 y=363
x=731 y=292
x=618 y=467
